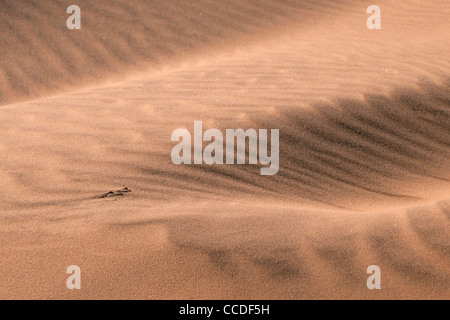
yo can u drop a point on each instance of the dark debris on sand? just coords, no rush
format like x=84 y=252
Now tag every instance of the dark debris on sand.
x=116 y=193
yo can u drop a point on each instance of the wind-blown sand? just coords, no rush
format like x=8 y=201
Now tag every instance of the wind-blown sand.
x=364 y=179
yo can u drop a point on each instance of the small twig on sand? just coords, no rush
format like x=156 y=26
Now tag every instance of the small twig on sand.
x=115 y=193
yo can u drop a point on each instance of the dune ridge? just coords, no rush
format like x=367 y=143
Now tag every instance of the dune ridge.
x=343 y=153
x=40 y=56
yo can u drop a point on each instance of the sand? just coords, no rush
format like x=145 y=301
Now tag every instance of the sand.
x=364 y=179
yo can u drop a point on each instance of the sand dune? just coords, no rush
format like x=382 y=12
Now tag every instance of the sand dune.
x=40 y=56
x=364 y=119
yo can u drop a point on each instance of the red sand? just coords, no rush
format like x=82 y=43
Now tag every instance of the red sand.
x=364 y=119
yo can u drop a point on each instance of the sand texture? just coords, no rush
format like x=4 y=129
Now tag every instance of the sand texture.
x=364 y=177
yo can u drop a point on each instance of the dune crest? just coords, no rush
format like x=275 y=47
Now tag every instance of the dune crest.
x=40 y=56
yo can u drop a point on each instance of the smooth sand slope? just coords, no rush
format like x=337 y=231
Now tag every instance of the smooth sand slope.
x=364 y=179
